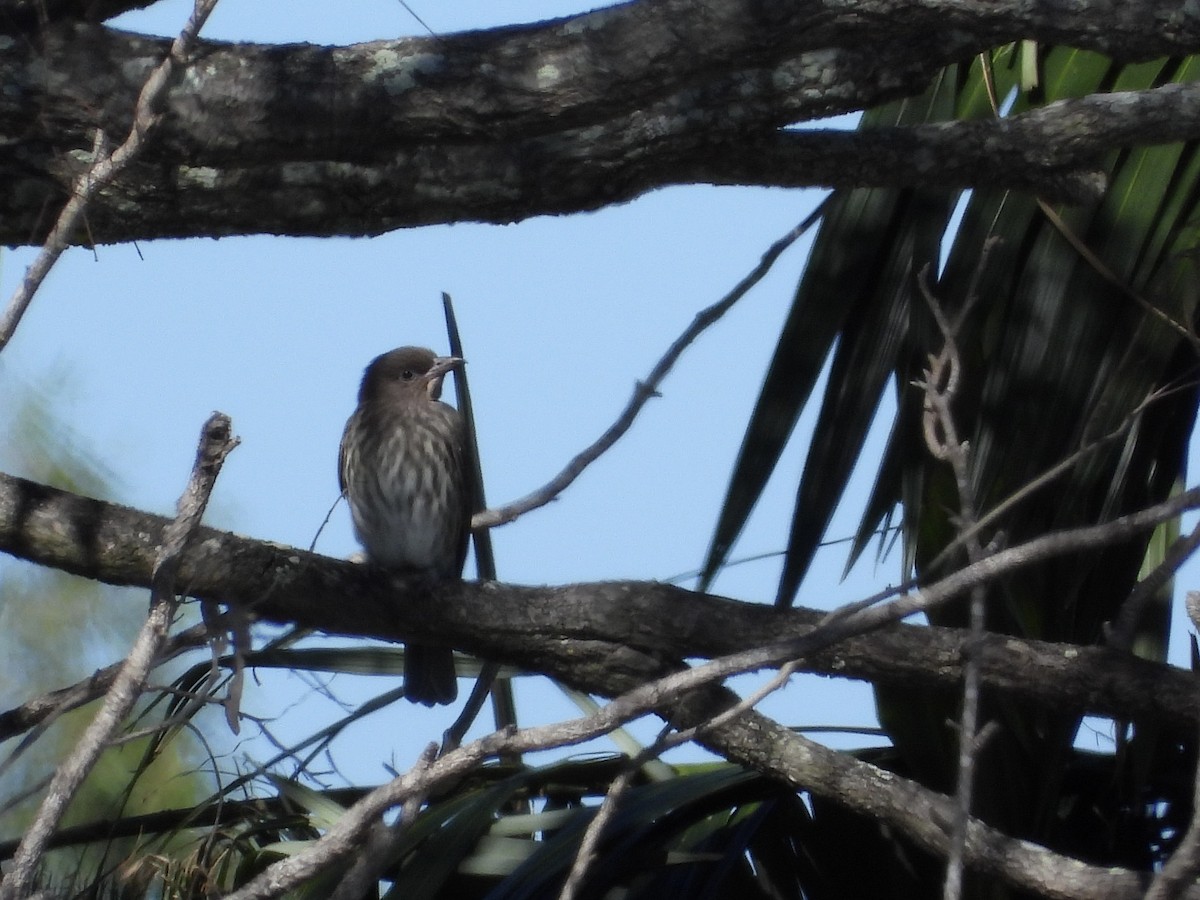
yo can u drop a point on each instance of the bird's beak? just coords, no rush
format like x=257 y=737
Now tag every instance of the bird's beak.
x=443 y=364
x=433 y=378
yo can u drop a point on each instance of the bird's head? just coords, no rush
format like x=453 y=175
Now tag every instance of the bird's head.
x=406 y=372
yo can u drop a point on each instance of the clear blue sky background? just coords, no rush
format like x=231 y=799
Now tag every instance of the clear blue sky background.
x=560 y=317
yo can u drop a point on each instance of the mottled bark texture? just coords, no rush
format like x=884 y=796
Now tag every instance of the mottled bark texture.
x=604 y=637
x=555 y=117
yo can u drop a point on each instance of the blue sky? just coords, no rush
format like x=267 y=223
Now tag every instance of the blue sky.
x=560 y=317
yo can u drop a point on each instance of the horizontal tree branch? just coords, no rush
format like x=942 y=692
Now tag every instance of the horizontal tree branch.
x=38 y=710
x=608 y=638
x=555 y=117
x=925 y=816
x=599 y=637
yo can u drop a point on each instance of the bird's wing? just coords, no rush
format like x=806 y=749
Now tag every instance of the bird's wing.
x=342 y=461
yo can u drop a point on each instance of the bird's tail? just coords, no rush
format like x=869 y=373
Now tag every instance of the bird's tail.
x=429 y=676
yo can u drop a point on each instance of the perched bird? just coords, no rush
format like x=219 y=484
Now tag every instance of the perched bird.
x=402 y=468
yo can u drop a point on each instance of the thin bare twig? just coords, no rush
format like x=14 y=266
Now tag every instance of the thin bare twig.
x=384 y=841
x=1124 y=630
x=1102 y=269
x=216 y=442
x=40 y=712
x=941 y=436
x=104 y=168
x=1022 y=493
x=502 y=515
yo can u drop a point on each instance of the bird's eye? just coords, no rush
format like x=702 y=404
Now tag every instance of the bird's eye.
x=408 y=374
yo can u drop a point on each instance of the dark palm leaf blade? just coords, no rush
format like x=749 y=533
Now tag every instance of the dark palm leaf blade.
x=785 y=855
x=446 y=834
x=745 y=849
x=644 y=827
x=988 y=80
x=719 y=833
x=844 y=424
x=443 y=837
x=863 y=363
x=1056 y=355
x=843 y=276
x=881 y=509
x=906 y=476
x=1056 y=364
x=809 y=333
x=1012 y=348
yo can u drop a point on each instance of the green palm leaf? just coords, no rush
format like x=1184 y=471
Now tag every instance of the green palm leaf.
x=1078 y=346
x=853 y=295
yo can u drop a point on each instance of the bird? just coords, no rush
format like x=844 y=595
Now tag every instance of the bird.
x=402 y=468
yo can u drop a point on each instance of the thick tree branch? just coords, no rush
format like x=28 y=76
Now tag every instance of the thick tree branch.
x=556 y=117
x=609 y=638
x=586 y=635
x=924 y=815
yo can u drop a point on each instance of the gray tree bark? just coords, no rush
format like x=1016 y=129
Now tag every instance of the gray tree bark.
x=555 y=117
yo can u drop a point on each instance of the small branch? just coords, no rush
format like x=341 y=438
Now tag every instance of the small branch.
x=941 y=436
x=502 y=515
x=564 y=630
x=104 y=168
x=1035 y=484
x=586 y=855
x=384 y=841
x=1124 y=630
x=40 y=712
x=215 y=443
